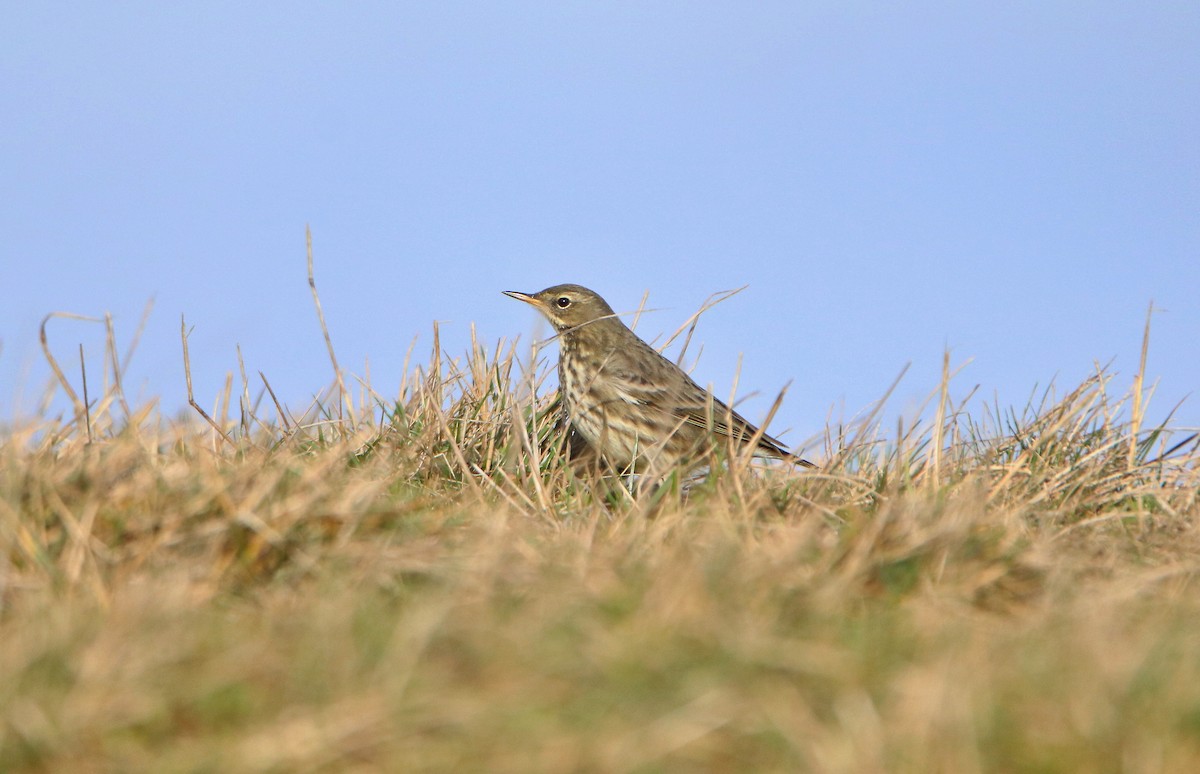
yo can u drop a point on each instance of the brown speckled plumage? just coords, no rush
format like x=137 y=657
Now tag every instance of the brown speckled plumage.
x=640 y=411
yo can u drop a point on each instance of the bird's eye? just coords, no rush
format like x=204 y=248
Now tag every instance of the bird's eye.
x=563 y=302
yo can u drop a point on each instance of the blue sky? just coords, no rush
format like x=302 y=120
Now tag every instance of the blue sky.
x=1014 y=181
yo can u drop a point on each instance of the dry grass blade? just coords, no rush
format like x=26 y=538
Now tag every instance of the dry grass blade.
x=187 y=375
x=87 y=411
x=62 y=380
x=690 y=323
x=344 y=398
x=1139 y=381
x=939 y=422
x=283 y=417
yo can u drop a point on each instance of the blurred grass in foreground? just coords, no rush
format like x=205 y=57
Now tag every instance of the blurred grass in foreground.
x=422 y=583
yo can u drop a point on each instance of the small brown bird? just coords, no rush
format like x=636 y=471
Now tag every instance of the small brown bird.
x=640 y=411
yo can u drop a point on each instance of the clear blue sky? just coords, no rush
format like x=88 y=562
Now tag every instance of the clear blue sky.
x=1016 y=181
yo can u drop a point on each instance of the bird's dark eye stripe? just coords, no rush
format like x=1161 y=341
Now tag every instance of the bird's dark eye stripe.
x=563 y=302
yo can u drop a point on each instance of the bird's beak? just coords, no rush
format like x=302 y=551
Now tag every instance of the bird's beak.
x=523 y=297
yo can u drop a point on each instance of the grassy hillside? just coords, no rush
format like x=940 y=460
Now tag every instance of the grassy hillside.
x=423 y=583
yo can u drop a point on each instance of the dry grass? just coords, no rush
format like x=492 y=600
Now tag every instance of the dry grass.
x=425 y=584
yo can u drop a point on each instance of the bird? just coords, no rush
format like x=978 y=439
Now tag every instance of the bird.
x=639 y=411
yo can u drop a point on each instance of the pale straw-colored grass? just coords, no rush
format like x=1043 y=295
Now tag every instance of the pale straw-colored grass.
x=424 y=582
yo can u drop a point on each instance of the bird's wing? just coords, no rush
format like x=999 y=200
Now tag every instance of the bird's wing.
x=685 y=400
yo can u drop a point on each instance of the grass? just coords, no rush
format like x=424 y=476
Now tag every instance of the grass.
x=426 y=583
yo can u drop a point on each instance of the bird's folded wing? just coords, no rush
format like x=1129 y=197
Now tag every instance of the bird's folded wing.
x=686 y=402
x=690 y=405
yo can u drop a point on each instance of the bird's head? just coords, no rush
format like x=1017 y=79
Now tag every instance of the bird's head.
x=568 y=306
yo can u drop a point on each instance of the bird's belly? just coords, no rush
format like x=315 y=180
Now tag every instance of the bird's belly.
x=629 y=436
